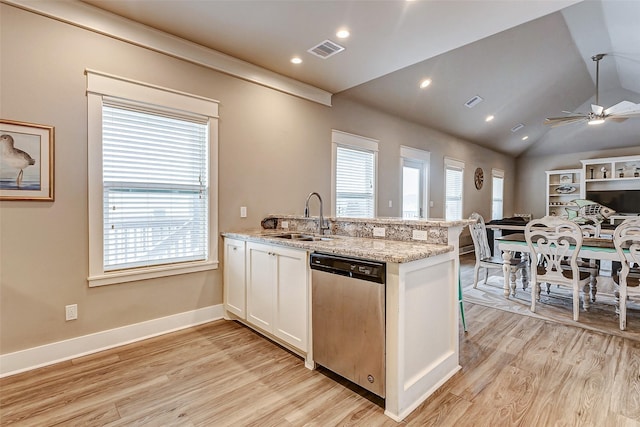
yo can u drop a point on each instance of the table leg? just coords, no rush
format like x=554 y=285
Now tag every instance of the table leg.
x=506 y=269
x=586 y=304
x=525 y=271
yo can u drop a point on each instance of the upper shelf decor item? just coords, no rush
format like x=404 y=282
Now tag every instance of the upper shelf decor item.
x=26 y=161
x=566 y=178
x=617 y=113
x=478 y=178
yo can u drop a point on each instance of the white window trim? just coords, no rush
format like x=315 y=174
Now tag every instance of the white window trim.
x=451 y=163
x=344 y=139
x=424 y=157
x=101 y=85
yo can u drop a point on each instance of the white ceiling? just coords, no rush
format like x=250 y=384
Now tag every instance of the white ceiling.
x=527 y=60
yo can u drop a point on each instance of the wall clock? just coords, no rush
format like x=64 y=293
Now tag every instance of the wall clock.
x=478 y=178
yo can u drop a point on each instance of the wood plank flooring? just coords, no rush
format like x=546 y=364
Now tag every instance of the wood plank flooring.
x=516 y=371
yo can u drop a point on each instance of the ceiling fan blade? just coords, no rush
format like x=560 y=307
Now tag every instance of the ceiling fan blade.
x=616 y=119
x=596 y=109
x=559 y=121
x=623 y=108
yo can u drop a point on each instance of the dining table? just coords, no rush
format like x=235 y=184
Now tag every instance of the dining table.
x=601 y=249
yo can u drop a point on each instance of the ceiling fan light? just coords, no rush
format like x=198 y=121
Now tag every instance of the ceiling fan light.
x=596 y=121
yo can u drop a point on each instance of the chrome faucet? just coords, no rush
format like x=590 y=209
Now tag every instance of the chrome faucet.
x=321 y=225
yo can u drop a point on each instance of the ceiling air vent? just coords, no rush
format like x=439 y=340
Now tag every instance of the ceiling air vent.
x=326 y=49
x=473 y=101
x=517 y=127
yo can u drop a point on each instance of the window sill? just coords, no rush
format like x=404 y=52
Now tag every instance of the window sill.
x=124 y=276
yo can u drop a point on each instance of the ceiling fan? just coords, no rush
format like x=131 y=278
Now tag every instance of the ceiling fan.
x=618 y=113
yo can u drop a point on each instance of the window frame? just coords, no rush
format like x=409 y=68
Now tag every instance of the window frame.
x=412 y=157
x=102 y=86
x=354 y=142
x=497 y=174
x=455 y=165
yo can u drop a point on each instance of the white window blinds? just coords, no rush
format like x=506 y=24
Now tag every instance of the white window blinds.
x=155 y=187
x=453 y=189
x=355 y=189
x=497 y=194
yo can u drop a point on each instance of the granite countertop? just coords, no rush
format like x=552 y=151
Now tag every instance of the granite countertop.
x=433 y=222
x=373 y=249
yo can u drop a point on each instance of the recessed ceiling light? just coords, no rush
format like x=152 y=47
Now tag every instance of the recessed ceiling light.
x=489 y=118
x=425 y=83
x=524 y=138
x=342 y=34
x=296 y=60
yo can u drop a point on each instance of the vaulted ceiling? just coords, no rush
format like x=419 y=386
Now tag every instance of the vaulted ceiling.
x=527 y=59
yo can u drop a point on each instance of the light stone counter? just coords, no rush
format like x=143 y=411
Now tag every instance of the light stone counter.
x=373 y=249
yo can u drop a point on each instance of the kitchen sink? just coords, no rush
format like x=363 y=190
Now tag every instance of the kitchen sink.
x=301 y=237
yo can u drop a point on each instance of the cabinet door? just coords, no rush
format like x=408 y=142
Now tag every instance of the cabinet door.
x=261 y=286
x=234 y=278
x=291 y=322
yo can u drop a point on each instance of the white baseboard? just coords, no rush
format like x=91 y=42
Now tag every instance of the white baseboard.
x=48 y=354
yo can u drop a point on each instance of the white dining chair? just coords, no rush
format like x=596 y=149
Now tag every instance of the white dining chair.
x=554 y=241
x=626 y=239
x=485 y=260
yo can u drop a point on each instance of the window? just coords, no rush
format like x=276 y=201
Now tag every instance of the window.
x=497 y=194
x=415 y=167
x=354 y=164
x=152 y=181
x=454 y=170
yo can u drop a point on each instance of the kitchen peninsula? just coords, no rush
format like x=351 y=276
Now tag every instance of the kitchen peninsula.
x=268 y=282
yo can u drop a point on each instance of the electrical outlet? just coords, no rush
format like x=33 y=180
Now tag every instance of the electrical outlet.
x=71 y=312
x=420 y=235
x=285 y=224
x=379 y=231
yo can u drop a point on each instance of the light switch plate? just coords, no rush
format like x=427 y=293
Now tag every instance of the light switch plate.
x=243 y=212
x=379 y=231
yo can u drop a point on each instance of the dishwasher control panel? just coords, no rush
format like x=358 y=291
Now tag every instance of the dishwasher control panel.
x=372 y=271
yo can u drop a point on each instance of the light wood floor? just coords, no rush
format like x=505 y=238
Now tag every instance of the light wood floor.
x=516 y=370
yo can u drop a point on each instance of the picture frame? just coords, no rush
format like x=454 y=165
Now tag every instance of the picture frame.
x=26 y=161
x=566 y=178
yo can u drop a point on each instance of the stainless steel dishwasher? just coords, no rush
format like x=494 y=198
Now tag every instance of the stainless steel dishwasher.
x=348 y=315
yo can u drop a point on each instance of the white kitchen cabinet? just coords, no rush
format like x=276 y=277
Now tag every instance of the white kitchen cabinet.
x=234 y=277
x=277 y=292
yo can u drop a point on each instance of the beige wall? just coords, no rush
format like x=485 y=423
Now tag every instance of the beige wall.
x=531 y=181
x=274 y=149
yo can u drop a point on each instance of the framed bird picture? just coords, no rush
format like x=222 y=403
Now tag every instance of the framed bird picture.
x=26 y=161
